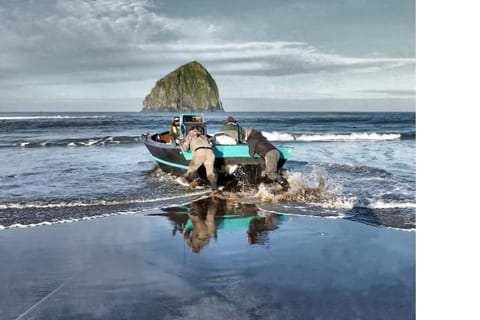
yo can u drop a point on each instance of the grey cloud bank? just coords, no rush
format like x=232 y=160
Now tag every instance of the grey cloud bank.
x=95 y=55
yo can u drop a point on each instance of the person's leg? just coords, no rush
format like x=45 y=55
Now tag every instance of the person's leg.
x=271 y=162
x=195 y=163
x=209 y=167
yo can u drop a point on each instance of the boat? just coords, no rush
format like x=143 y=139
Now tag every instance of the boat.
x=232 y=159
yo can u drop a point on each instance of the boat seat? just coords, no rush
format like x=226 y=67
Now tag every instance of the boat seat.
x=221 y=138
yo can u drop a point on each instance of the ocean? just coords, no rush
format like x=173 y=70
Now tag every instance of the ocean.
x=67 y=167
x=91 y=228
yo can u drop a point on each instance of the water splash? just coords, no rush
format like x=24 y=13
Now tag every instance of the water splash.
x=314 y=188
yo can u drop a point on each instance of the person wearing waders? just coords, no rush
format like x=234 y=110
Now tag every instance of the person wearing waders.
x=202 y=154
x=258 y=144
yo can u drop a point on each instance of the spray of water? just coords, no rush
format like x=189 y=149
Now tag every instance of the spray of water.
x=312 y=187
x=305 y=187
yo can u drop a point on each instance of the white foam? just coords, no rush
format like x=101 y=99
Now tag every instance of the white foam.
x=39 y=204
x=400 y=229
x=339 y=216
x=17 y=225
x=335 y=203
x=49 y=117
x=90 y=142
x=24 y=144
x=265 y=193
x=278 y=136
x=361 y=136
x=49 y=223
x=349 y=137
x=314 y=189
x=181 y=204
x=390 y=205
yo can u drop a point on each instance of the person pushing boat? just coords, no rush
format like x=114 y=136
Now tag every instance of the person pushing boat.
x=202 y=154
x=258 y=144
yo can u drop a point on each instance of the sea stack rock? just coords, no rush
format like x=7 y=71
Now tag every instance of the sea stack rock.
x=188 y=88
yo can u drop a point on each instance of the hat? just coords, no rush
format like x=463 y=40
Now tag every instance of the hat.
x=230 y=119
x=176 y=119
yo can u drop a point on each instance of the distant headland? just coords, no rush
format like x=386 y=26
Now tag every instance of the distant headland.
x=188 y=88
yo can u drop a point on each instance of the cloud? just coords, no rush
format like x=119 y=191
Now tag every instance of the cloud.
x=110 y=36
x=87 y=44
x=66 y=36
x=393 y=93
x=271 y=58
x=98 y=24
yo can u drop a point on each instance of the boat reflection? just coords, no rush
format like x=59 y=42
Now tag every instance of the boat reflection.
x=200 y=220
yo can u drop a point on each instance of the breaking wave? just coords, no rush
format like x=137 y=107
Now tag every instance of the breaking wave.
x=273 y=136
x=391 y=205
x=49 y=117
x=361 y=136
x=74 y=142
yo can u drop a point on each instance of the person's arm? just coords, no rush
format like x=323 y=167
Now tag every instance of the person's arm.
x=251 y=148
x=186 y=143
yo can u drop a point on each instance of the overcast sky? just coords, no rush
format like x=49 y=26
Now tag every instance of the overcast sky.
x=102 y=55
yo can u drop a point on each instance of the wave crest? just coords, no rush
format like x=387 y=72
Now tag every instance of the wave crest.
x=360 y=136
x=74 y=142
x=50 y=117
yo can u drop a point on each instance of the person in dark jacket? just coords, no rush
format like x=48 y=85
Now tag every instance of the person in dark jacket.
x=258 y=144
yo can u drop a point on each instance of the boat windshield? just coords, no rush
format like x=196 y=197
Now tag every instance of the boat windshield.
x=188 y=121
x=196 y=118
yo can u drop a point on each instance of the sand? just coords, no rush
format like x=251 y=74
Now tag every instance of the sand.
x=134 y=267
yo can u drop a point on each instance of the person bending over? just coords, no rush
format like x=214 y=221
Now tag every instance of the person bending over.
x=202 y=154
x=197 y=235
x=258 y=144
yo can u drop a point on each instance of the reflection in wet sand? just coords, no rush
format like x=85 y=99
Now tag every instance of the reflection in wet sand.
x=130 y=267
x=200 y=220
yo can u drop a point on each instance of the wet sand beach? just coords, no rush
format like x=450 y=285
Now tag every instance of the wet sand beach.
x=247 y=265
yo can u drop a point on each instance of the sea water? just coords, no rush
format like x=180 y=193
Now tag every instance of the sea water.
x=64 y=167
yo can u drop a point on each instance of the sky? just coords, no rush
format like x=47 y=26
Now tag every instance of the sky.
x=316 y=55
